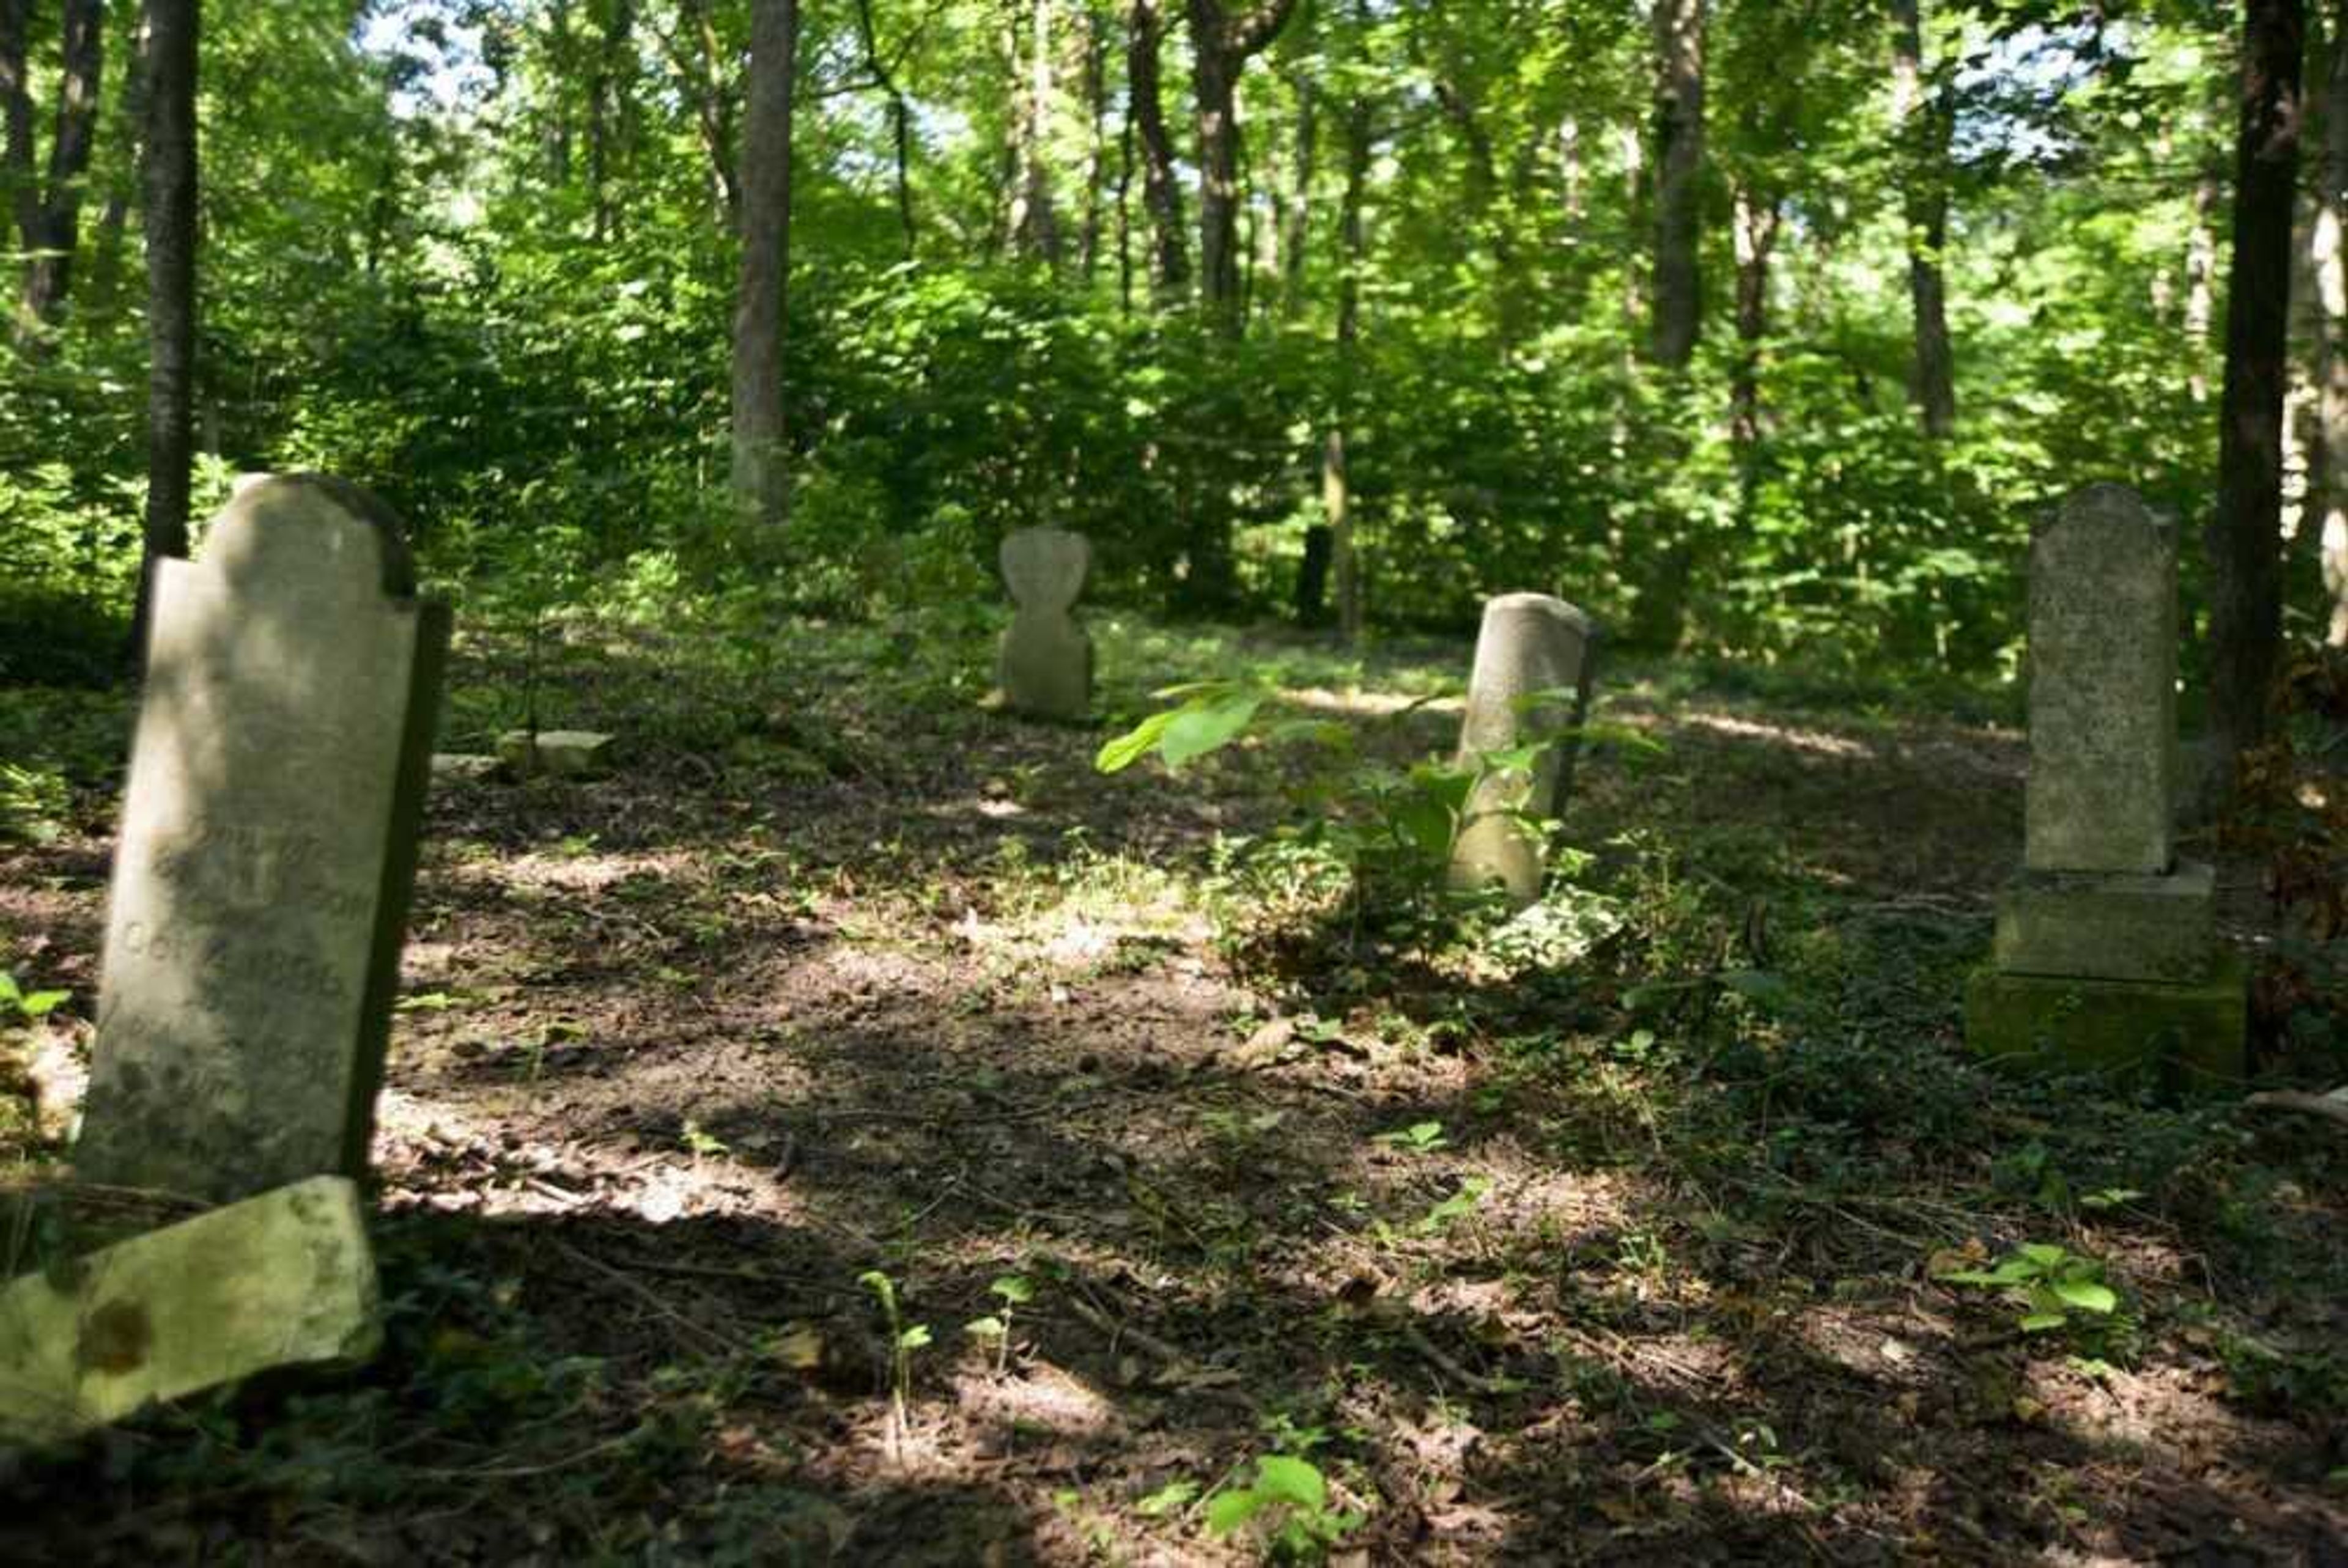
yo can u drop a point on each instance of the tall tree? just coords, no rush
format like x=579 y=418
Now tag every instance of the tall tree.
x=760 y=479
x=1034 y=224
x=49 y=211
x=1336 y=487
x=1679 y=170
x=1169 y=260
x=172 y=28
x=2331 y=267
x=1221 y=43
x=2245 y=533
x=1924 y=121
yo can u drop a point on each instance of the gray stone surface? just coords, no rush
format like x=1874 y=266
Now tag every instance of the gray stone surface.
x=267 y=849
x=1529 y=644
x=284 y=1279
x=1045 y=667
x=558 y=754
x=2182 y=1037
x=2108 y=926
x=2103 y=687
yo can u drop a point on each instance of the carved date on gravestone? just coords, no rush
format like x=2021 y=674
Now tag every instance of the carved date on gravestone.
x=267 y=842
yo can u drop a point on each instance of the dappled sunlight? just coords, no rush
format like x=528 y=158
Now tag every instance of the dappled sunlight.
x=1743 y=727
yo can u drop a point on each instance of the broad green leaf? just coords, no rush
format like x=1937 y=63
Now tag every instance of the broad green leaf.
x=1291 y=1480
x=2040 y=1322
x=1200 y=729
x=1012 y=1287
x=1229 y=1509
x=1122 y=752
x=984 y=1328
x=2086 y=1295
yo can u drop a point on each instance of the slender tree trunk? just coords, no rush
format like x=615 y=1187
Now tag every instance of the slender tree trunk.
x=55 y=233
x=1756 y=219
x=1297 y=228
x=1124 y=216
x=698 y=60
x=2202 y=285
x=19 y=181
x=1096 y=88
x=171 y=180
x=1034 y=224
x=1170 y=269
x=760 y=479
x=2245 y=536
x=106 y=258
x=609 y=113
x=2328 y=499
x=1924 y=123
x=1679 y=170
x=901 y=128
x=1336 y=490
x=1221 y=43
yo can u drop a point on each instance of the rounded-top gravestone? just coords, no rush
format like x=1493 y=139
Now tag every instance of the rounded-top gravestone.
x=1534 y=662
x=1045 y=666
x=268 y=844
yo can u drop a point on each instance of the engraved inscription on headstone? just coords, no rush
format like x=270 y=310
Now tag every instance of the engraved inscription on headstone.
x=1045 y=667
x=2103 y=687
x=268 y=844
x=1535 y=657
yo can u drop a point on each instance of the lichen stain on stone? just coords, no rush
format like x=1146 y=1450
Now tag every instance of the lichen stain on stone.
x=115 y=1338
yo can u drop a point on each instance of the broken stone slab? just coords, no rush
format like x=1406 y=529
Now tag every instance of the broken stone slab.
x=471 y=766
x=284 y=1279
x=2183 y=1037
x=558 y=754
x=2110 y=926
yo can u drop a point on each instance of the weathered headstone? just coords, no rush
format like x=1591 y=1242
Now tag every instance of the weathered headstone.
x=2106 y=955
x=267 y=850
x=557 y=753
x=1535 y=657
x=1045 y=668
x=280 y=1280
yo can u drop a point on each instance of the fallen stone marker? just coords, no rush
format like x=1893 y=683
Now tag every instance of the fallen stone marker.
x=284 y=1279
x=556 y=753
x=2107 y=956
x=268 y=848
x=1046 y=665
x=1535 y=659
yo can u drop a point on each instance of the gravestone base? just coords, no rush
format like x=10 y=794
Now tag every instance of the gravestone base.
x=2110 y=926
x=1046 y=673
x=284 y=1279
x=2196 y=1033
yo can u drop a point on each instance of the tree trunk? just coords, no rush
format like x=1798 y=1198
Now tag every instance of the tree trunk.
x=172 y=27
x=1221 y=43
x=2329 y=499
x=1035 y=225
x=2245 y=533
x=900 y=129
x=608 y=108
x=1297 y=227
x=106 y=258
x=1756 y=220
x=2202 y=285
x=1170 y=269
x=1924 y=123
x=54 y=230
x=759 y=475
x=17 y=179
x=1096 y=86
x=1336 y=491
x=1679 y=169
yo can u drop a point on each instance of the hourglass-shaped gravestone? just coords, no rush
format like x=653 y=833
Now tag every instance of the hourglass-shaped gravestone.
x=1045 y=668
x=268 y=846
x=1535 y=658
x=2106 y=954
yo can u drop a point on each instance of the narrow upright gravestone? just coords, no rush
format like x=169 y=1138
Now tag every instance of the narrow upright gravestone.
x=1045 y=667
x=1535 y=657
x=2106 y=954
x=267 y=850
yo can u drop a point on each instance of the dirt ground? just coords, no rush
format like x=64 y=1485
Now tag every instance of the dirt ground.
x=1630 y=1260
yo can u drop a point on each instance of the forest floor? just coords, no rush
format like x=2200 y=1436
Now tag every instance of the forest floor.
x=1614 y=1234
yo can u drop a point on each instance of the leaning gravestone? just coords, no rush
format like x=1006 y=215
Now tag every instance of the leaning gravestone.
x=1045 y=667
x=267 y=850
x=2106 y=955
x=1535 y=657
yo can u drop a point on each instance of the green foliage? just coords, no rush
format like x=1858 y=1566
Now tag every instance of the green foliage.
x=2049 y=1283
x=1287 y=1502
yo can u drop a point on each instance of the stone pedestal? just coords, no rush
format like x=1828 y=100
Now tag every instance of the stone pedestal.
x=2182 y=1036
